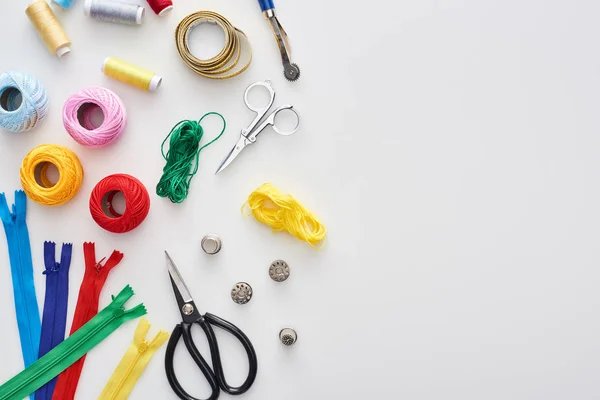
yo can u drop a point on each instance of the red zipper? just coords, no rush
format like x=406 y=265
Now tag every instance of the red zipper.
x=94 y=277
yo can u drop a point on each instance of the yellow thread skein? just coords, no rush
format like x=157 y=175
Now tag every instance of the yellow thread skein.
x=284 y=213
x=68 y=166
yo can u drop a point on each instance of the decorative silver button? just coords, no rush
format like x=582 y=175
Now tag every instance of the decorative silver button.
x=288 y=336
x=279 y=270
x=241 y=293
x=211 y=244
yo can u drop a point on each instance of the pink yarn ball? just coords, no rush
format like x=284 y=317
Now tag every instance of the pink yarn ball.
x=80 y=107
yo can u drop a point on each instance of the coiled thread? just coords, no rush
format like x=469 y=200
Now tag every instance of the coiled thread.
x=23 y=101
x=37 y=162
x=49 y=29
x=282 y=212
x=219 y=66
x=137 y=203
x=130 y=74
x=114 y=11
x=182 y=158
x=161 y=7
x=78 y=110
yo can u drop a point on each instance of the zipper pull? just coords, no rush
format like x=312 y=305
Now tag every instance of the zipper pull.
x=99 y=264
x=139 y=338
x=118 y=312
x=126 y=315
x=142 y=347
x=135 y=312
x=52 y=270
x=49 y=260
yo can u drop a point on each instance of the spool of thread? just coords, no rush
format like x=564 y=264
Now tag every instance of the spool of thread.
x=23 y=101
x=42 y=190
x=41 y=16
x=282 y=212
x=130 y=74
x=137 y=203
x=78 y=110
x=114 y=11
x=63 y=3
x=161 y=7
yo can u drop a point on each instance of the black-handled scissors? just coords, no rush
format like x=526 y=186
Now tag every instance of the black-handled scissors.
x=190 y=316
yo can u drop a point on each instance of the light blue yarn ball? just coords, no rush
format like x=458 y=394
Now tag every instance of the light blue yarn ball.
x=23 y=115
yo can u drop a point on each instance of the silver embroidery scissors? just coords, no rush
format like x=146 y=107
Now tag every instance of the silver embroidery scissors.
x=250 y=133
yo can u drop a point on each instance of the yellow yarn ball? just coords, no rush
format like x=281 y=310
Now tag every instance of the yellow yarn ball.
x=68 y=166
x=284 y=213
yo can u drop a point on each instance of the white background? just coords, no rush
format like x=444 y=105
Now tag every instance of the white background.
x=451 y=149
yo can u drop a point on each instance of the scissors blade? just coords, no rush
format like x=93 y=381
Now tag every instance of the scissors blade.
x=178 y=280
x=235 y=151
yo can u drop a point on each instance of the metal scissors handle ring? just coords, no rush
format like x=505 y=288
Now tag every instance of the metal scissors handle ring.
x=260 y=111
x=270 y=120
x=274 y=115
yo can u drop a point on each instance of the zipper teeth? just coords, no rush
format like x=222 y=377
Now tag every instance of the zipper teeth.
x=55 y=311
x=64 y=354
x=22 y=285
x=125 y=376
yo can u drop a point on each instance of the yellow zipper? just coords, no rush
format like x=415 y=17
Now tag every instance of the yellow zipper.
x=133 y=363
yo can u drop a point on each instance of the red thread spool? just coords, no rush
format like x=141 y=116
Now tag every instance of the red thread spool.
x=137 y=203
x=161 y=7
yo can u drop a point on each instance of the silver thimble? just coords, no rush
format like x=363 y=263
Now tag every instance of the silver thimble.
x=288 y=336
x=279 y=271
x=211 y=244
x=241 y=293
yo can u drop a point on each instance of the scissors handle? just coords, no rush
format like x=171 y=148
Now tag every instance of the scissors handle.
x=184 y=329
x=260 y=111
x=215 y=379
x=216 y=355
x=270 y=120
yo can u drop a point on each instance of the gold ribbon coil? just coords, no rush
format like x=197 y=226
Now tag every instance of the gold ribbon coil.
x=219 y=66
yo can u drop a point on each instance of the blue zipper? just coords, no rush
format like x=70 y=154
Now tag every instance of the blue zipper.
x=21 y=266
x=55 y=306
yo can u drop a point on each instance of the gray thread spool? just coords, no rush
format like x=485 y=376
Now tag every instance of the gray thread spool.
x=114 y=11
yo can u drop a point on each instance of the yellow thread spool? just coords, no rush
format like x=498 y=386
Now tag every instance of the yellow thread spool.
x=41 y=16
x=68 y=165
x=131 y=74
x=282 y=212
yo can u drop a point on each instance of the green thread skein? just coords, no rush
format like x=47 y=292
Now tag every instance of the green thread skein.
x=182 y=158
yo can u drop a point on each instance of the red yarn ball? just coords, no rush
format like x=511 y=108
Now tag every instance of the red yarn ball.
x=137 y=203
